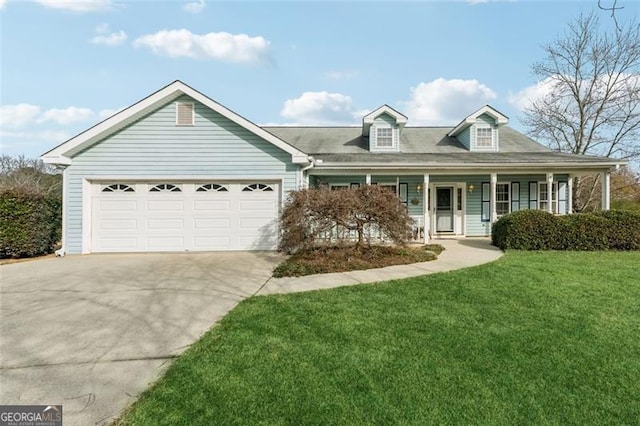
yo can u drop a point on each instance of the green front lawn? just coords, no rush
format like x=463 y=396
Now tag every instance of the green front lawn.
x=536 y=337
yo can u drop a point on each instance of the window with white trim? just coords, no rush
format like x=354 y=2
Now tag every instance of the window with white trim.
x=185 y=113
x=503 y=198
x=543 y=196
x=384 y=137
x=484 y=137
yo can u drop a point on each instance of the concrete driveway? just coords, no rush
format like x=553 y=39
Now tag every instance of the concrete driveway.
x=91 y=332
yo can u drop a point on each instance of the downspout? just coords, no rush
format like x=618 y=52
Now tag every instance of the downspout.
x=304 y=169
x=61 y=251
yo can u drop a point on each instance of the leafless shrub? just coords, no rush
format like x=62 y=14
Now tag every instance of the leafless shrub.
x=310 y=213
x=29 y=174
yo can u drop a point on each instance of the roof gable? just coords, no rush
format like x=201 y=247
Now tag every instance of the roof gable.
x=500 y=119
x=399 y=118
x=63 y=153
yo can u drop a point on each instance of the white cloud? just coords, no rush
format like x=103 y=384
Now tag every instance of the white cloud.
x=529 y=94
x=320 y=108
x=16 y=116
x=42 y=135
x=2 y=3
x=441 y=101
x=222 y=46
x=194 y=7
x=81 y=6
x=105 y=37
x=340 y=75
x=23 y=115
x=67 y=115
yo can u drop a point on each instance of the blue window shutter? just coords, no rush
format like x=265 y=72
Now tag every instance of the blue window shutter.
x=486 y=197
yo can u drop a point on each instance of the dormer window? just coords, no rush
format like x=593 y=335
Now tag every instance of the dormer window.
x=384 y=137
x=483 y=137
x=383 y=127
x=480 y=130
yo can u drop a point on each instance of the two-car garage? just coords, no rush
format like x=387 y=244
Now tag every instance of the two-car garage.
x=183 y=216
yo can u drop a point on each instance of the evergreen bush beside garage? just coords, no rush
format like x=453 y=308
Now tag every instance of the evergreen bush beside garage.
x=30 y=223
x=539 y=230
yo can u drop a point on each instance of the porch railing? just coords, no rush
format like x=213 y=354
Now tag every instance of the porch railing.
x=372 y=234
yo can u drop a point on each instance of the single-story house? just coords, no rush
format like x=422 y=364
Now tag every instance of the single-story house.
x=178 y=171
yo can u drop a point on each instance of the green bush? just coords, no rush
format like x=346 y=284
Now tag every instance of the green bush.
x=30 y=223
x=538 y=230
x=623 y=229
x=526 y=230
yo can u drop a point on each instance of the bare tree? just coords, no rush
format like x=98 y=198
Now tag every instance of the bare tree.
x=593 y=102
x=613 y=8
x=28 y=174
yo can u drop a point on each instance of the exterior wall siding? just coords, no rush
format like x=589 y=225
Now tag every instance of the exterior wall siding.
x=465 y=137
x=155 y=146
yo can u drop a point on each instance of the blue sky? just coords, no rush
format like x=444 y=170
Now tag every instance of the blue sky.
x=68 y=64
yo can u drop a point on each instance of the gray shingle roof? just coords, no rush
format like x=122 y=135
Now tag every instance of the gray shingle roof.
x=418 y=144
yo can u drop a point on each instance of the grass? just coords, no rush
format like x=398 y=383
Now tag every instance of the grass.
x=535 y=337
x=350 y=258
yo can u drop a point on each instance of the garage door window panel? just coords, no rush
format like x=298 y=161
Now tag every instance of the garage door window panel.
x=118 y=187
x=257 y=187
x=212 y=187
x=165 y=187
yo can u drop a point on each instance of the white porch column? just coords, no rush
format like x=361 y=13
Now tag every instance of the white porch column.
x=550 y=192
x=492 y=200
x=368 y=179
x=606 y=190
x=425 y=208
x=570 y=195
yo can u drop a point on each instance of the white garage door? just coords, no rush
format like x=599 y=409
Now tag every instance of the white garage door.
x=181 y=216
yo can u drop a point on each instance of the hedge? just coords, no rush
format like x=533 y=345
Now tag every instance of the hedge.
x=30 y=223
x=540 y=230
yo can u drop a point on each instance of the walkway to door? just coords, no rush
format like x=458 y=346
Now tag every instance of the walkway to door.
x=459 y=253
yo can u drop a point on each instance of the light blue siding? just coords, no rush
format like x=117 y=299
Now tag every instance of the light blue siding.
x=465 y=137
x=155 y=146
x=487 y=119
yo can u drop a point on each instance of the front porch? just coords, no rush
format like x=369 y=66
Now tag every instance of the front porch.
x=465 y=205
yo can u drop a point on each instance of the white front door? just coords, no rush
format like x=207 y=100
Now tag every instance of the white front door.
x=444 y=209
x=184 y=216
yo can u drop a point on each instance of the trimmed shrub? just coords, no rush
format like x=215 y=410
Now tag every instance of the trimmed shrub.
x=623 y=230
x=526 y=230
x=30 y=223
x=582 y=231
x=538 y=230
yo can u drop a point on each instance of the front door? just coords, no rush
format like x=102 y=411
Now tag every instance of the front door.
x=444 y=209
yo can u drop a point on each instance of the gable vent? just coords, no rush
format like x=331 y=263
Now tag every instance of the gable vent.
x=184 y=113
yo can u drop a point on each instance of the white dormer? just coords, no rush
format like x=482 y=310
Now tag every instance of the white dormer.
x=480 y=130
x=383 y=127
